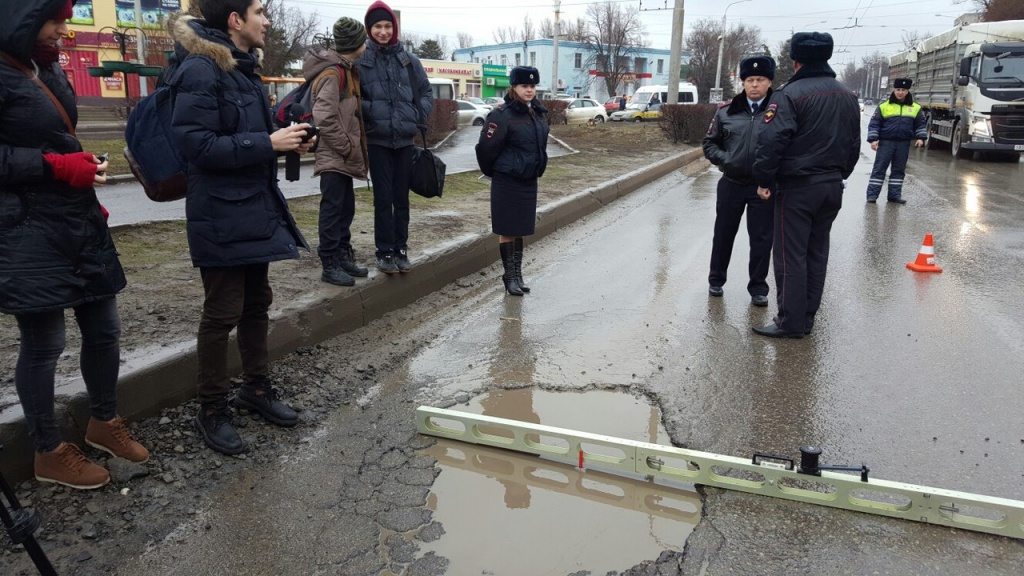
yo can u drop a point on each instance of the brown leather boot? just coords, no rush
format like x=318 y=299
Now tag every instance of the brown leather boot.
x=113 y=437
x=68 y=466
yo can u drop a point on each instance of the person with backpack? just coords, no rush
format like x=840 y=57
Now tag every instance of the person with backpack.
x=56 y=251
x=341 y=155
x=512 y=150
x=237 y=219
x=396 y=103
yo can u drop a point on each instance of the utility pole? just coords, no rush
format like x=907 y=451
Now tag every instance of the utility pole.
x=554 y=66
x=675 y=59
x=721 y=47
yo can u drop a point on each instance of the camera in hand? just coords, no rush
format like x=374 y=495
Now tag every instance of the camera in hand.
x=291 y=159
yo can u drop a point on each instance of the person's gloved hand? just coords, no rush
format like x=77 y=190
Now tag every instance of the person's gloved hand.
x=77 y=169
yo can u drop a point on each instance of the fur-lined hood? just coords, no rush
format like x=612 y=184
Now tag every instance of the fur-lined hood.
x=192 y=36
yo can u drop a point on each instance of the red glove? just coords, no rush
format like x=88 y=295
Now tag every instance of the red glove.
x=77 y=169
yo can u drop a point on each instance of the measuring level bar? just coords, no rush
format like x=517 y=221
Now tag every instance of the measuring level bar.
x=765 y=475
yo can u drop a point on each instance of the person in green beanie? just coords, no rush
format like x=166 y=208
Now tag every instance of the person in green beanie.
x=341 y=156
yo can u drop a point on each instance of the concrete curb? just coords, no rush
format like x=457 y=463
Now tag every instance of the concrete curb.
x=168 y=378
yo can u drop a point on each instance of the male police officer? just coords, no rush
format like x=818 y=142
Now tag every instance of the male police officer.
x=729 y=144
x=894 y=124
x=808 y=145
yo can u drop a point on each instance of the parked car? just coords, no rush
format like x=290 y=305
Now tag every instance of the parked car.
x=479 y=102
x=471 y=114
x=582 y=110
x=638 y=112
x=494 y=102
x=614 y=104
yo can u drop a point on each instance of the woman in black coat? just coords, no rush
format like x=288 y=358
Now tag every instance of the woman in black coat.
x=513 y=151
x=55 y=248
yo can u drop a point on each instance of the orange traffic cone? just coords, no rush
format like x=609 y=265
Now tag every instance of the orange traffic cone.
x=925 y=258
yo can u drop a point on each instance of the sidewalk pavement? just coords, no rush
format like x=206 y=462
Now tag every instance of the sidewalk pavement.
x=169 y=377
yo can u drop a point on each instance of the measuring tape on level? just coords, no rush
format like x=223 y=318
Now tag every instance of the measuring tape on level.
x=764 y=474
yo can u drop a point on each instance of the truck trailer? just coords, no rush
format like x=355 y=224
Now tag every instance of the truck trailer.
x=970 y=83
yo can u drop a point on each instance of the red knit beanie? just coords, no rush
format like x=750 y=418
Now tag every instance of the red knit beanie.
x=65 y=12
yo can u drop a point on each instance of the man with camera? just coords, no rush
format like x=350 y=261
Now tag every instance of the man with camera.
x=237 y=218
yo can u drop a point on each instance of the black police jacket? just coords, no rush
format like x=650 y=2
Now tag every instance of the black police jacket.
x=731 y=139
x=56 y=251
x=811 y=131
x=514 y=141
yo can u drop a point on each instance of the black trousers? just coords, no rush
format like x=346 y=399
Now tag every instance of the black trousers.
x=337 y=209
x=235 y=296
x=389 y=169
x=803 y=222
x=733 y=200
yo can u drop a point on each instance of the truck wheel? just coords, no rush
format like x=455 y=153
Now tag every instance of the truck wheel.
x=956 y=147
x=638 y=119
x=931 y=143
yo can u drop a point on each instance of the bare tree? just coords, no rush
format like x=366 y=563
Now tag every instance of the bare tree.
x=291 y=32
x=505 y=34
x=574 y=31
x=911 y=38
x=465 y=40
x=741 y=40
x=546 y=28
x=613 y=35
x=529 y=31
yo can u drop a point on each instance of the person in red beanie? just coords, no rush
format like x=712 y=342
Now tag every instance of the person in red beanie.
x=56 y=251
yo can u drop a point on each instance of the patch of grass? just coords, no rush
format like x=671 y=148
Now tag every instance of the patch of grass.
x=147 y=251
x=115 y=147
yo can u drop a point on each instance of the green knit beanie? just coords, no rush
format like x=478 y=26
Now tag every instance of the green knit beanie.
x=349 y=35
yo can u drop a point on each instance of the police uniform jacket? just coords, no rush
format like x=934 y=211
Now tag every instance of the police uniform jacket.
x=811 y=131
x=55 y=248
x=895 y=120
x=234 y=210
x=731 y=139
x=514 y=141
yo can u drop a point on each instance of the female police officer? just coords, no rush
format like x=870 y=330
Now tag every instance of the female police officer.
x=513 y=151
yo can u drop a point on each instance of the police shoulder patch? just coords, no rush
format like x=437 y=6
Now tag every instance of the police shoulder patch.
x=769 y=114
x=711 y=127
x=491 y=129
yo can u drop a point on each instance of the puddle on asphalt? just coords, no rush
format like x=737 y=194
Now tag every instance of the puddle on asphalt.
x=507 y=513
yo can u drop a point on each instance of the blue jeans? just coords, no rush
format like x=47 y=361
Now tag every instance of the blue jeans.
x=893 y=152
x=43 y=341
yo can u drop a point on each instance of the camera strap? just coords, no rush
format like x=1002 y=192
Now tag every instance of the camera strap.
x=35 y=78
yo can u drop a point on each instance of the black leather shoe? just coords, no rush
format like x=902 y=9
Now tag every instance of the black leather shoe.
x=214 y=424
x=402 y=260
x=261 y=398
x=347 y=262
x=897 y=201
x=386 y=264
x=335 y=275
x=716 y=291
x=773 y=331
x=872 y=200
x=759 y=300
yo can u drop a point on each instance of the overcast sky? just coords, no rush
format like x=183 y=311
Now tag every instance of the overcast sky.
x=860 y=27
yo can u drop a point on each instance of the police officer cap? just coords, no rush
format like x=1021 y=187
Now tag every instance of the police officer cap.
x=524 y=75
x=757 y=66
x=810 y=47
x=903 y=83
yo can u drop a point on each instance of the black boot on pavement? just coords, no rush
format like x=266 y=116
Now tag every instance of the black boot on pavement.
x=507 y=250
x=386 y=264
x=261 y=397
x=347 y=262
x=214 y=423
x=518 y=258
x=334 y=274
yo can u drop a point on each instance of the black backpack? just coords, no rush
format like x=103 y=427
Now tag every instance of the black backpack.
x=303 y=95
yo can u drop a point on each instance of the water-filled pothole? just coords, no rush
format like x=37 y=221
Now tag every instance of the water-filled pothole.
x=507 y=514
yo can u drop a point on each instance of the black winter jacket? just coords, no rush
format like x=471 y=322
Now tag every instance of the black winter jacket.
x=811 y=131
x=391 y=117
x=514 y=141
x=731 y=138
x=55 y=248
x=235 y=211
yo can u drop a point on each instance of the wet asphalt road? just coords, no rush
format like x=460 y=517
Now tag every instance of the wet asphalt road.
x=916 y=375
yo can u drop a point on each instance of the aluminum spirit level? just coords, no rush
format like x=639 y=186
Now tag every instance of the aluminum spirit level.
x=764 y=474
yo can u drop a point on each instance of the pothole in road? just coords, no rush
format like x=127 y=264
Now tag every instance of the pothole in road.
x=508 y=513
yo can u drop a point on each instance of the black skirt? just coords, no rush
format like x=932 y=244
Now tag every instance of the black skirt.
x=513 y=205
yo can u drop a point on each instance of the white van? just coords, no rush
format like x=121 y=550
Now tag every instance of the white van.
x=645 y=104
x=442 y=88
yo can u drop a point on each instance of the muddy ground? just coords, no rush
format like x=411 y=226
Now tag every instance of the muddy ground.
x=99 y=532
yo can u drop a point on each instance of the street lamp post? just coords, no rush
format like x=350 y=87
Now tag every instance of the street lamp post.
x=721 y=46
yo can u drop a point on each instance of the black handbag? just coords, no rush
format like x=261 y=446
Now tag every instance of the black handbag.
x=427 y=175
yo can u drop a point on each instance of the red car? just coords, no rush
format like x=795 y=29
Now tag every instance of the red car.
x=614 y=104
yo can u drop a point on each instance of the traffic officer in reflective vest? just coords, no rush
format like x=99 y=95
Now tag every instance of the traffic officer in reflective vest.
x=729 y=144
x=894 y=124
x=809 y=144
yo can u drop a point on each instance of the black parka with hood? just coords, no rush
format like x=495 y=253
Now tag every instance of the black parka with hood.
x=55 y=248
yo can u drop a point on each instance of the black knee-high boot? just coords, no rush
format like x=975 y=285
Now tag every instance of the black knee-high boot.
x=508 y=261
x=518 y=257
